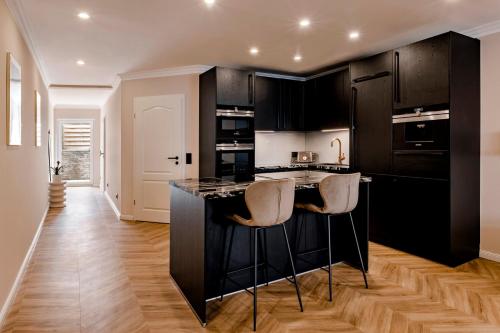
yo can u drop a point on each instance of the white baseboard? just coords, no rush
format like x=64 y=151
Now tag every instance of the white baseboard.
x=112 y=204
x=117 y=211
x=22 y=270
x=127 y=217
x=489 y=255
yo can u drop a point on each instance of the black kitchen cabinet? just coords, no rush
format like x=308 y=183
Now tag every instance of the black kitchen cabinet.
x=421 y=73
x=279 y=104
x=372 y=114
x=327 y=101
x=235 y=88
x=292 y=105
x=267 y=103
x=312 y=112
x=411 y=214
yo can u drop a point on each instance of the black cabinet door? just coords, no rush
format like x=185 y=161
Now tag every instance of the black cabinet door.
x=411 y=214
x=312 y=116
x=235 y=88
x=372 y=113
x=292 y=105
x=421 y=216
x=327 y=101
x=267 y=103
x=382 y=228
x=421 y=73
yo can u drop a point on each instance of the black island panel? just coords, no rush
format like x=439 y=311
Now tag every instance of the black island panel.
x=199 y=235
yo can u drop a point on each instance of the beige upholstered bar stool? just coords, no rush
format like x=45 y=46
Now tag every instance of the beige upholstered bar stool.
x=270 y=204
x=340 y=194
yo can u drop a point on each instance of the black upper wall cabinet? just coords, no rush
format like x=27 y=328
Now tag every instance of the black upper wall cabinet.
x=327 y=101
x=292 y=105
x=289 y=105
x=279 y=104
x=333 y=98
x=421 y=73
x=235 y=88
x=267 y=103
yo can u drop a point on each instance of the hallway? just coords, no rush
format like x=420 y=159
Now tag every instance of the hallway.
x=92 y=273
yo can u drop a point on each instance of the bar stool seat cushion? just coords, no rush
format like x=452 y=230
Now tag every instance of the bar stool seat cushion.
x=339 y=192
x=270 y=202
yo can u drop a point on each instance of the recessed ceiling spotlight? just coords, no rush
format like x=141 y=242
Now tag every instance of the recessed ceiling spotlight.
x=209 y=3
x=254 y=50
x=84 y=15
x=353 y=35
x=304 y=23
x=80 y=62
x=297 y=58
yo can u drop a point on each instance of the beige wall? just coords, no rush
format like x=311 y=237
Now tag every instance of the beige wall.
x=187 y=85
x=111 y=111
x=83 y=113
x=490 y=143
x=23 y=170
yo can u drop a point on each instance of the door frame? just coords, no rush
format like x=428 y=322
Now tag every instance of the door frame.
x=58 y=147
x=102 y=156
x=135 y=178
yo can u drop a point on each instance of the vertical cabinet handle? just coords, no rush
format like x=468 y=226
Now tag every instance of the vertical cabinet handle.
x=397 y=80
x=354 y=98
x=251 y=89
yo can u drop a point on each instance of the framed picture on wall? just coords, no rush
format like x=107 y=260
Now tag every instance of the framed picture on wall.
x=14 y=116
x=38 y=119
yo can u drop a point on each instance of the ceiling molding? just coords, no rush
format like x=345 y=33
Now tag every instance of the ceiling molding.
x=17 y=11
x=172 y=71
x=116 y=82
x=483 y=30
x=76 y=107
x=79 y=86
x=281 y=76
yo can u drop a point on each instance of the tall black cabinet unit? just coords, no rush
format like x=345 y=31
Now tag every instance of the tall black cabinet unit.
x=372 y=113
x=220 y=88
x=424 y=201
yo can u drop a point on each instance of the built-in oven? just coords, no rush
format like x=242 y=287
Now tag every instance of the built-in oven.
x=235 y=160
x=235 y=125
x=421 y=142
x=421 y=131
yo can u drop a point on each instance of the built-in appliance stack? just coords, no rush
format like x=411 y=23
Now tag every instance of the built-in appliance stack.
x=416 y=131
x=227 y=134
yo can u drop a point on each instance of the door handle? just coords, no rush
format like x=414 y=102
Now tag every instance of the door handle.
x=176 y=158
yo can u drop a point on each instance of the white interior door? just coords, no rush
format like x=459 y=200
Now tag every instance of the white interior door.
x=158 y=154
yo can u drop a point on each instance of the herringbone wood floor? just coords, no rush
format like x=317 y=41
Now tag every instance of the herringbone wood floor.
x=92 y=273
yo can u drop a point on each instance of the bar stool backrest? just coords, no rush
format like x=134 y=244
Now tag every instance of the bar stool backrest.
x=270 y=202
x=340 y=193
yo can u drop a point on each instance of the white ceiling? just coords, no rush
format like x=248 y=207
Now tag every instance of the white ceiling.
x=136 y=35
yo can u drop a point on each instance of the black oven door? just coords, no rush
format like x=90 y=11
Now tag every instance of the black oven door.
x=234 y=125
x=235 y=161
x=427 y=131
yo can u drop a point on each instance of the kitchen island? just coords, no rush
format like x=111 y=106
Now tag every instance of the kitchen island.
x=198 y=233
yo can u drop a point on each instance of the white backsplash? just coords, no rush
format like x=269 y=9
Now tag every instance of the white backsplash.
x=319 y=142
x=275 y=148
